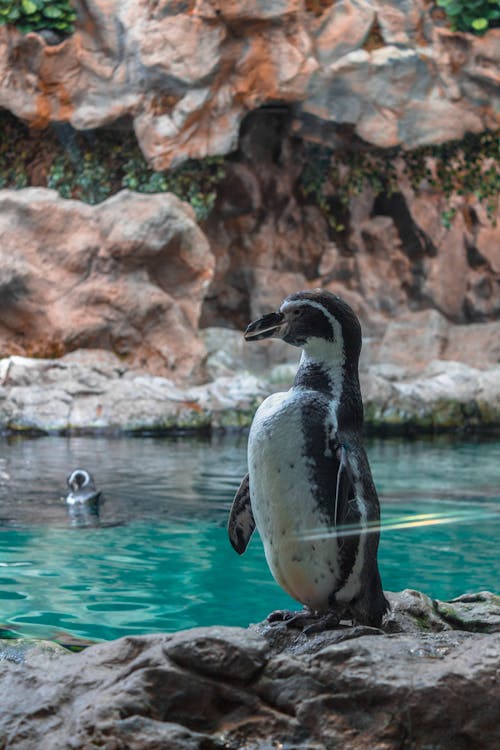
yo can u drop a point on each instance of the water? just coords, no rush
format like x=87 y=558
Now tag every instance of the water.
x=160 y=559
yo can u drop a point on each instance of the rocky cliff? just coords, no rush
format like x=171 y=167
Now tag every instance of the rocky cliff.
x=185 y=73
x=136 y=276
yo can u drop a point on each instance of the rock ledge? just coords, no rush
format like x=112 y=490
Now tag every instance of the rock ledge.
x=92 y=391
x=422 y=683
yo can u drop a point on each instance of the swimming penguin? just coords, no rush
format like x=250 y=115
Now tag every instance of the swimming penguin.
x=309 y=489
x=84 y=499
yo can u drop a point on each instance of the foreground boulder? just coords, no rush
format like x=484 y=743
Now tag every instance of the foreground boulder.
x=128 y=275
x=429 y=680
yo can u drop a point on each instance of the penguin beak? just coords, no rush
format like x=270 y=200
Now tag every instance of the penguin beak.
x=265 y=327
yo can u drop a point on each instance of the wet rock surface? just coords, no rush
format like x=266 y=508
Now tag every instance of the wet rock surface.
x=94 y=391
x=420 y=682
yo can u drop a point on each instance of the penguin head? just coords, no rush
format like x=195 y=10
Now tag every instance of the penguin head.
x=79 y=478
x=316 y=320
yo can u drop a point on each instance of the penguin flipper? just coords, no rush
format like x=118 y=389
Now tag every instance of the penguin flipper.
x=344 y=488
x=241 y=523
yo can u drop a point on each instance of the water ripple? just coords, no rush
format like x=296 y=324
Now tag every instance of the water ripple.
x=161 y=561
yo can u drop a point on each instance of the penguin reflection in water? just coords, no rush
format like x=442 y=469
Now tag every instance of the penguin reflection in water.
x=83 y=500
x=309 y=489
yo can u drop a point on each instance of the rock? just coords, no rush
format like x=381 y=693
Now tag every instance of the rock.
x=395 y=256
x=445 y=396
x=405 y=23
x=78 y=276
x=18 y=650
x=477 y=344
x=228 y=688
x=414 y=340
x=343 y=29
x=219 y=652
x=412 y=611
x=479 y=613
x=383 y=269
x=487 y=246
x=228 y=353
x=96 y=392
x=469 y=246
x=186 y=74
x=75 y=394
x=384 y=89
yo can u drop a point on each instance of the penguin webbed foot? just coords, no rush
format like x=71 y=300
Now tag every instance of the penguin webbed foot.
x=291 y=618
x=310 y=622
x=328 y=621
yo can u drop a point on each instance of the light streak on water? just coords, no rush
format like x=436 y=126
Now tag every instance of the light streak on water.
x=395 y=523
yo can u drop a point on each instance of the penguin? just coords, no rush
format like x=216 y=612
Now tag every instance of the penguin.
x=84 y=499
x=309 y=490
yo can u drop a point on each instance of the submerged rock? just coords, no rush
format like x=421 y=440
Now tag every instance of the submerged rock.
x=424 y=683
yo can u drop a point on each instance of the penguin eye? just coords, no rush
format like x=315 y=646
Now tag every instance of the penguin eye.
x=296 y=312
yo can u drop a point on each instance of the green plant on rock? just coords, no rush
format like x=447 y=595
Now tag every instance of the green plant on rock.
x=92 y=179
x=12 y=170
x=92 y=166
x=195 y=181
x=315 y=183
x=60 y=177
x=469 y=167
x=35 y=15
x=332 y=178
x=447 y=217
x=472 y=15
x=85 y=179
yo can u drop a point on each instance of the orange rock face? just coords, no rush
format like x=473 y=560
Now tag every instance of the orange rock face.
x=136 y=275
x=393 y=256
x=186 y=73
x=128 y=276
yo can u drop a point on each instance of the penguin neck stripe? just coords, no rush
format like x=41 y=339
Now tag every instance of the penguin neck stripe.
x=309 y=303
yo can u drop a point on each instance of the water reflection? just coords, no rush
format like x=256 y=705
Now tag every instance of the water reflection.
x=140 y=477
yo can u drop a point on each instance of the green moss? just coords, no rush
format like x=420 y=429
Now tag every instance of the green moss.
x=195 y=181
x=93 y=165
x=443 y=415
x=447 y=414
x=236 y=418
x=489 y=413
x=446 y=610
x=422 y=622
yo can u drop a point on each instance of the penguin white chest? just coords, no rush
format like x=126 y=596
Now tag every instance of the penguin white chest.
x=285 y=508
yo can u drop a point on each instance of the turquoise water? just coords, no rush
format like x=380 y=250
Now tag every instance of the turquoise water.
x=160 y=559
